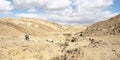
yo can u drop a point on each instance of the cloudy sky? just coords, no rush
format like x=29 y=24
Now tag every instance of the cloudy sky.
x=61 y=11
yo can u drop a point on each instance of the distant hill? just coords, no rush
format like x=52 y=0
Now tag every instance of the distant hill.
x=32 y=26
x=107 y=27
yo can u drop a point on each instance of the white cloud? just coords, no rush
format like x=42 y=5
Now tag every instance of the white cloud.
x=32 y=10
x=56 y=4
x=45 y=4
x=27 y=15
x=5 y=5
x=79 y=19
x=6 y=13
x=93 y=4
x=68 y=11
x=5 y=8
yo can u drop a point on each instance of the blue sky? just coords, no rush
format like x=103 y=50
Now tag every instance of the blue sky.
x=116 y=6
x=61 y=11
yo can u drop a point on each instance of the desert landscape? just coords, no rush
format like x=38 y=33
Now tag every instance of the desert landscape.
x=52 y=41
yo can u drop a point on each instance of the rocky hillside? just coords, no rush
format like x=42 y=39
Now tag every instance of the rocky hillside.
x=108 y=27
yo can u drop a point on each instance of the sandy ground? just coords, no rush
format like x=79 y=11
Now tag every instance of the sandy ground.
x=52 y=48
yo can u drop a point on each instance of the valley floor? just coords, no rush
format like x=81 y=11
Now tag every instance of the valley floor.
x=60 y=48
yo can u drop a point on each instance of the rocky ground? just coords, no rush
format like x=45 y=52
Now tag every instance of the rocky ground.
x=65 y=48
x=50 y=41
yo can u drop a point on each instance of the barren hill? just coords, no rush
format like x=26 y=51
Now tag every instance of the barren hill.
x=47 y=39
x=108 y=27
x=32 y=26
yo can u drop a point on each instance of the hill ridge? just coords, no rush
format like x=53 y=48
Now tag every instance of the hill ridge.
x=107 y=27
